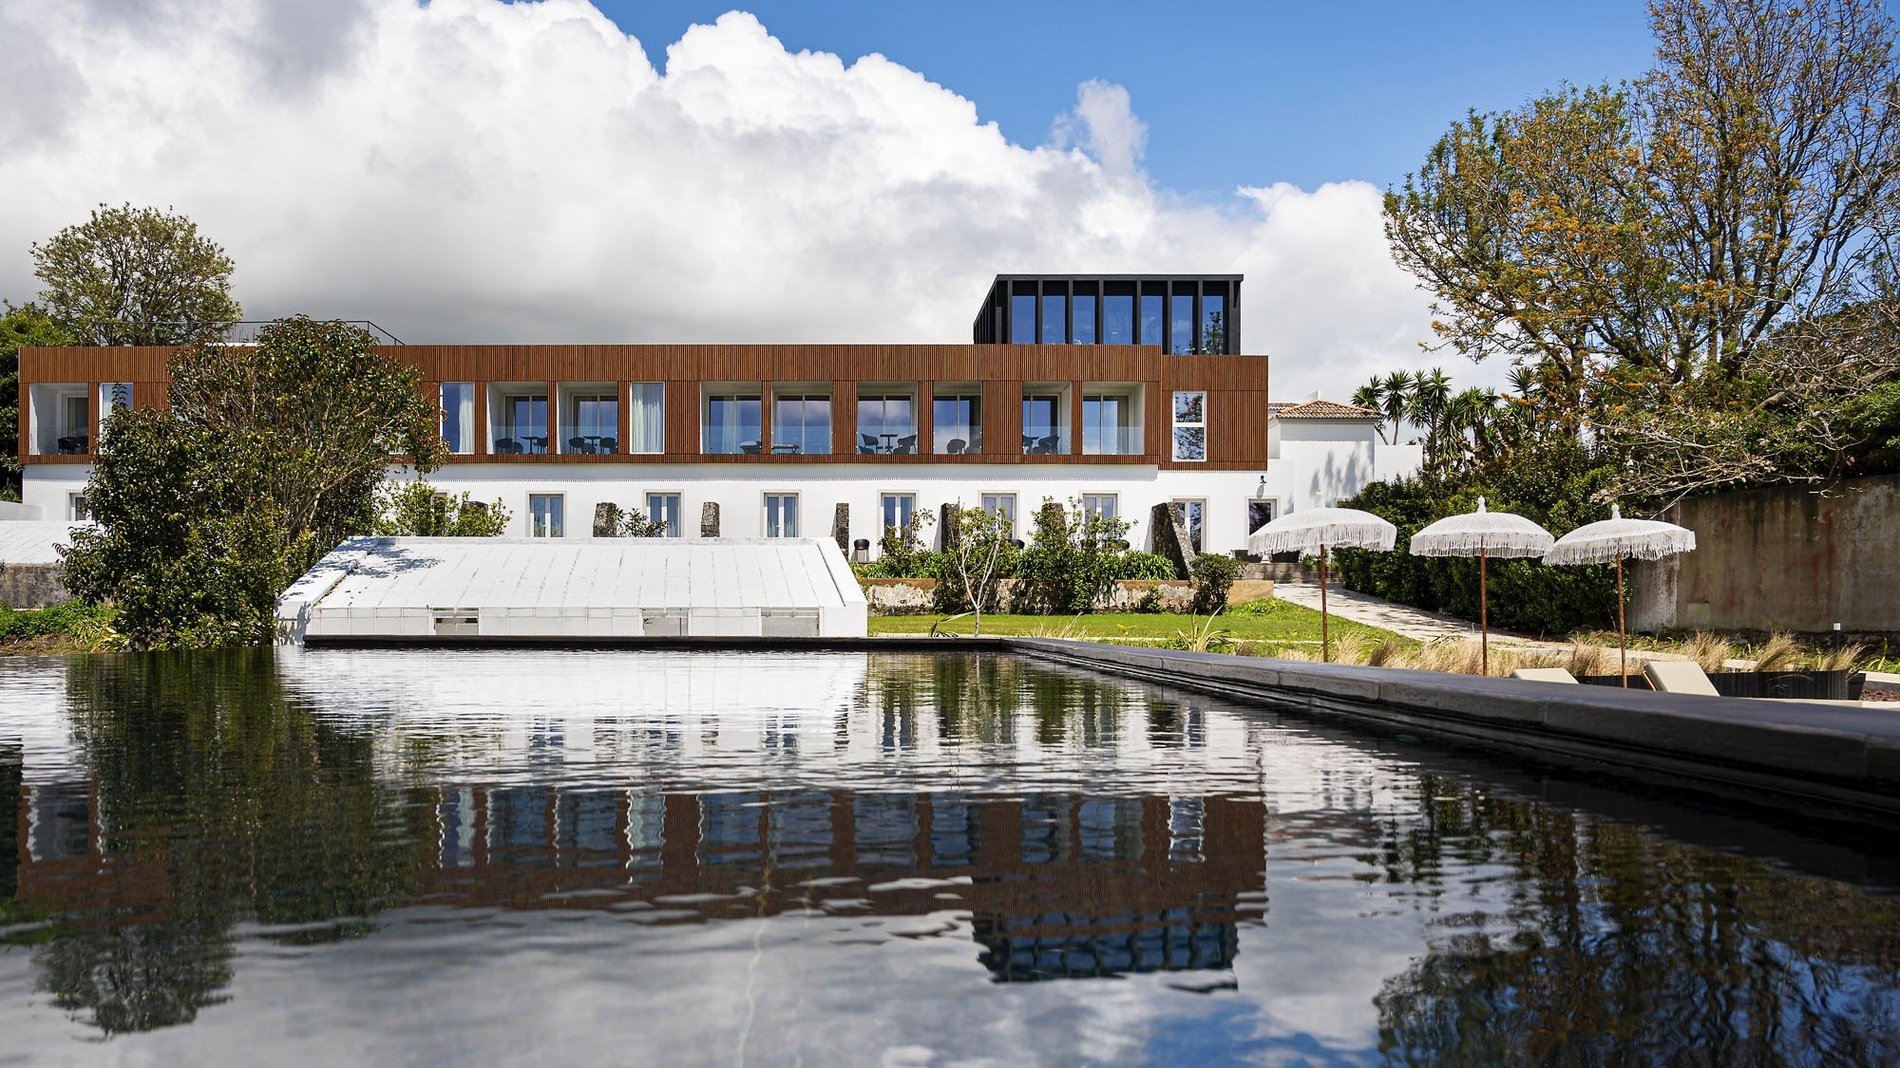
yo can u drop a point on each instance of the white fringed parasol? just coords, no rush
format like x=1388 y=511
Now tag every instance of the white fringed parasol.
x=1482 y=534
x=1617 y=539
x=1318 y=530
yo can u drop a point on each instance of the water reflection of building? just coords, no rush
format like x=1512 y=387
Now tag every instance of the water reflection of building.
x=1057 y=885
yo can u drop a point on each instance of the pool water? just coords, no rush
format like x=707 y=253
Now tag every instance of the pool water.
x=502 y=857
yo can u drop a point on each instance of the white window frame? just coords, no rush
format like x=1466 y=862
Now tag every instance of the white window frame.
x=1176 y=425
x=561 y=500
x=985 y=504
x=1273 y=509
x=1114 y=510
x=676 y=526
x=76 y=509
x=442 y=417
x=765 y=513
x=881 y=497
x=1202 y=501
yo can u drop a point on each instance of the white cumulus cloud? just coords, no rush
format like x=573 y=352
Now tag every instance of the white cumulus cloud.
x=472 y=170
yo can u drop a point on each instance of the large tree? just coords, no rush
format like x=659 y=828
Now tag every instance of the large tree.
x=136 y=276
x=265 y=459
x=26 y=326
x=1624 y=241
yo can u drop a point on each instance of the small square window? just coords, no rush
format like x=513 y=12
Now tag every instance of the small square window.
x=76 y=507
x=665 y=508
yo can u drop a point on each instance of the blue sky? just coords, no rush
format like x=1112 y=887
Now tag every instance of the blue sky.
x=1233 y=93
x=476 y=170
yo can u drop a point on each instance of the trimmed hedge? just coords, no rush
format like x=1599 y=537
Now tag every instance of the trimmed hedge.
x=1525 y=595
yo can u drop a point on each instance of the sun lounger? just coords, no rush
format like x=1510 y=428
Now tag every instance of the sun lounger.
x=1544 y=675
x=1678 y=676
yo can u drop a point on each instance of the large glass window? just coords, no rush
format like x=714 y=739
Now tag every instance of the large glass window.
x=1111 y=424
x=647 y=418
x=1102 y=504
x=1055 y=325
x=1190 y=425
x=956 y=424
x=1193 y=515
x=1214 y=324
x=1181 y=323
x=732 y=423
x=458 y=417
x=886 y=424
x=801 y=423
x=1042 y=424
x=897 y=509
x=1022 y=319
x=665 y=508
x=592 y=424
x=61 y=416
x=1082 y=330
x=1118 y=314
x=545 y=518
x=523 y=428
x=781 y=515
x=1151 y=312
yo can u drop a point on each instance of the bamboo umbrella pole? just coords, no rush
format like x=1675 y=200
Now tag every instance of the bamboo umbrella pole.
x=1325 y=646
x=1484 y=616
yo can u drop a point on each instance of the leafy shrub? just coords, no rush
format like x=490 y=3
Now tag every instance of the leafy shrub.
x=1213 y=576
x=87 y=623
x=416 y=509
x=1554 y=487
x=1140 y=565
x=1071 y=561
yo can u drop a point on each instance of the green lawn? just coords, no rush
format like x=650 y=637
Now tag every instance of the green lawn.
x=1275 y=625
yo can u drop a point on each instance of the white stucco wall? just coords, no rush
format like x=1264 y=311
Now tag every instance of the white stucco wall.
x=1320 y=462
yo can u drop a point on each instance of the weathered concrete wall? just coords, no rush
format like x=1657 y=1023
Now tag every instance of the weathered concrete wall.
x=31 y=585
x=1780 y=559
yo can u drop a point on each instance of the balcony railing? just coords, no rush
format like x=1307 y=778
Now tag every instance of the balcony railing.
x=239 y=333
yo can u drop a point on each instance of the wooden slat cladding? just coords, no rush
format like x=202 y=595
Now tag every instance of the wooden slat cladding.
x=1236 y=388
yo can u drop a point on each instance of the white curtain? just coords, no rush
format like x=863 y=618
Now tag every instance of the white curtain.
x=648 y=418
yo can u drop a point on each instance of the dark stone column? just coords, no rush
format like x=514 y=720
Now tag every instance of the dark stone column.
x=841 y=528
x=1169 y=534
x=709 y=520
x=606 y=520
x=949 y=519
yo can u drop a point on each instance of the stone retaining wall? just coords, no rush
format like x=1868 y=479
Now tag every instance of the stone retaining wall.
x=914 y=596
x=31 y=585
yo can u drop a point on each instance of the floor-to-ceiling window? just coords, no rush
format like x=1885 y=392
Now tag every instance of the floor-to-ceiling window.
x=1055 y=325
x=1042 y=424
x=592 y=423
x=886 y=423
x=458 y=417
x=1181 y=320
x=801 y=423
x=956 y=423
x=1213 y=324
x=646 y=417
x=1118 y=314
x=523 y=426
x=732 y=423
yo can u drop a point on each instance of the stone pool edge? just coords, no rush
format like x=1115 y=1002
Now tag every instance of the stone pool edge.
x=1836 y=756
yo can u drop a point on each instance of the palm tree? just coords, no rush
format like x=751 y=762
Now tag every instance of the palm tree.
x=1431 y=395
x=1395 y=399
x=1371 y=395
x=1475 y=411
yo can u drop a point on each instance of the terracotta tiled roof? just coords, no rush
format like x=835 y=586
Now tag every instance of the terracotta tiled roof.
x=1320 y=409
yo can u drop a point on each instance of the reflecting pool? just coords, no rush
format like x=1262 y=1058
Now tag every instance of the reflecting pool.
x=499 y=857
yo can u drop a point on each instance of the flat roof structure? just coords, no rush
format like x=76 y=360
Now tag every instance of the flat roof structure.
x=35 y=541
x=421 y=589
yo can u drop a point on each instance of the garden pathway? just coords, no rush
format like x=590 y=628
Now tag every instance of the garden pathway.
x=1418 y=624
